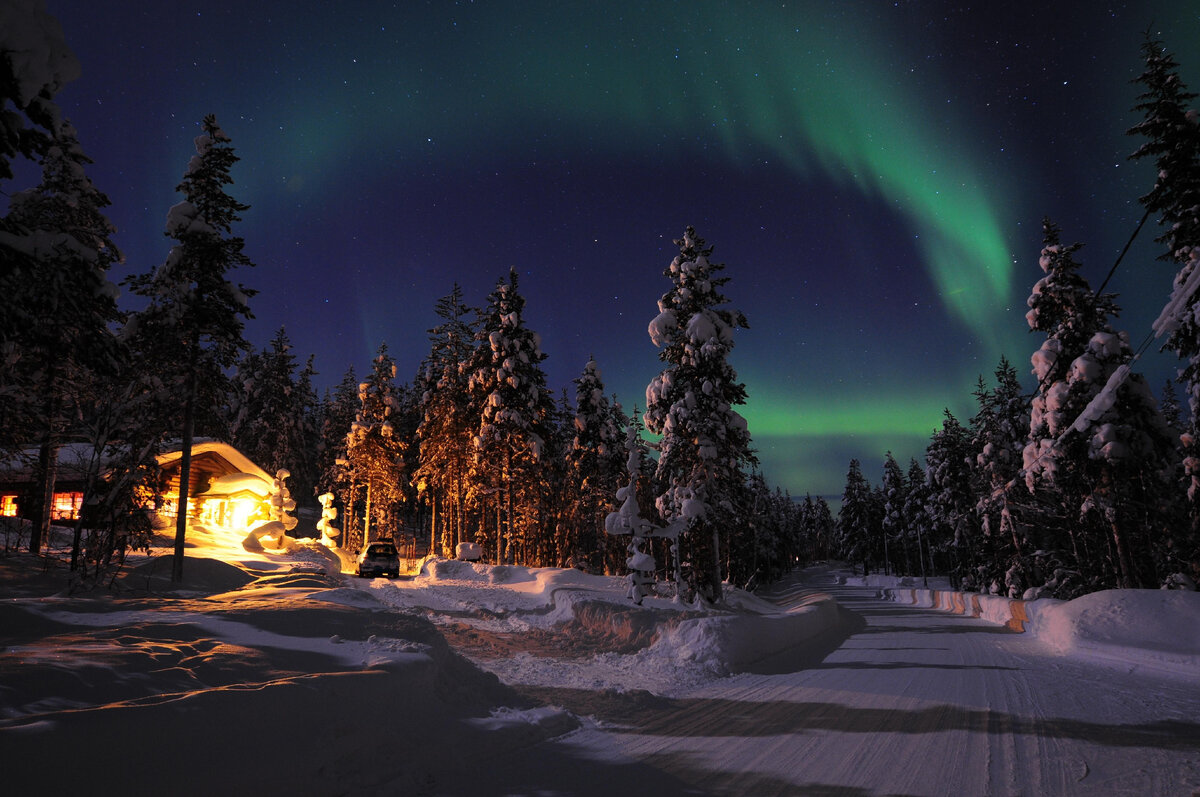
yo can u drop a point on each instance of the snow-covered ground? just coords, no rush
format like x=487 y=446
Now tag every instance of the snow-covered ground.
x=270 y=672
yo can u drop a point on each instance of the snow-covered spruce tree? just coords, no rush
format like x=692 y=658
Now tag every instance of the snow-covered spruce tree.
x=895 y=493
x=1170 y=126
x=809 y=545
x=35 y=62
x=509 y=397
x=816 y=535
x=705 y=443
x=1098 y=448
x=595 y=460
x=375 y=454
x=1169 y=403
x=618 y=420
x=875 y=525
x=1171 y=129
x=768 y=538
x=273 y=411
x=337 y=412
x=554 y=499
x=446 y=426
x=665 y=551
x=306 y=468
x=999 y=432
x=196 y=315
x=916 y=519
x=953 y=530
x=1064 y=308
x=854 y=518
x=628 y=519
x=56 y=251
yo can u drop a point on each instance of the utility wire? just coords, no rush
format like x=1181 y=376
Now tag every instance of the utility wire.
x=1001 y=490
x=1121 y=256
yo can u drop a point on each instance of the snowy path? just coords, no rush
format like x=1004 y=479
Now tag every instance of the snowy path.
x=899 y=701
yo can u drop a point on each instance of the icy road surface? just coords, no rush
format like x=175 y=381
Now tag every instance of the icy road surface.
x=899 y=700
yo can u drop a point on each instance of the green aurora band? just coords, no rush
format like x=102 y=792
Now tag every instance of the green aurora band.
x=780 y=84
x=805 y=88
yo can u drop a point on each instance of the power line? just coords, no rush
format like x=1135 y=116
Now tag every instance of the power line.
x=1121 y=256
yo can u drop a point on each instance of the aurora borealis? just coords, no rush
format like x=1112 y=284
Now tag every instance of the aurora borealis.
x=873 y=175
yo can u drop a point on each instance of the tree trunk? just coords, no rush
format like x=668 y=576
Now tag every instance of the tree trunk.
x=716 y=565
x=921 y=559
x=185 y=459
x=366 y=535
x=185 y=475
x=48 y=471
x=1126 y=575
x=433 y=518
x=499 y=531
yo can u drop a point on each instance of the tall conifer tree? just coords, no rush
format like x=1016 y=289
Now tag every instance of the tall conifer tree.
x=196 y=314
x=509 y=397
x=705 y=444
x=56 y=248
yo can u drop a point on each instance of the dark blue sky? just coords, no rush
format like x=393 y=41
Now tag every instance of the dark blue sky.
x=872 y=174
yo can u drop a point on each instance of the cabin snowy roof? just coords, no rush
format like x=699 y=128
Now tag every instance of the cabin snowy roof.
x=234 y=483
x=236 y=458
x=74 y=459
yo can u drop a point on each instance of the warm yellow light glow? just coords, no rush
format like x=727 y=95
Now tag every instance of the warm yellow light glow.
x=66 y=506
x=8 y=506
x=245 y=510
x=232 y=512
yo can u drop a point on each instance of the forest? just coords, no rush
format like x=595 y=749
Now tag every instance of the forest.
x=1085 y=483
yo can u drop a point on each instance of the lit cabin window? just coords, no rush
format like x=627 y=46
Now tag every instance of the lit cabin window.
x=66 y=506
x=8 y=506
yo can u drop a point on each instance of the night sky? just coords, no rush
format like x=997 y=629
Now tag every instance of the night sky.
x=873 y=175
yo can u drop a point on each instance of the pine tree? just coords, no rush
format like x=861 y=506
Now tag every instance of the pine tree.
x=875 y=523
x=195 y=317
x=508 y=394
x=307 y=435
x=916 y=517
x=1169 y=402
x=446 y=425
x=1172 y=132
x=705 y=443
x=953 y=529
x=628 y=519
x=56 y=248
x=375 y=452
x=1099 y=452
x=816 y=530
x=594 y=460
x=336 y=415
x=895 y=493
x=854 y=518
x=1171 y=129
x=337 y=412
x=35 y=63
x=273 y=409
x=999 y=433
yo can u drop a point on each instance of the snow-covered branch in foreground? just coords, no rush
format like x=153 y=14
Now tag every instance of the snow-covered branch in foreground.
x=1187 y=282
x=1101 y=403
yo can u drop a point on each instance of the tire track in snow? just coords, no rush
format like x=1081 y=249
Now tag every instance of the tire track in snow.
x=916 y=702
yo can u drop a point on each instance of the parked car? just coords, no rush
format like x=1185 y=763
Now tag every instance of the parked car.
x=379 y=559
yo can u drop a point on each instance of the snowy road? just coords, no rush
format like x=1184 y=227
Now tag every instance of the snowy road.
x=900 y=700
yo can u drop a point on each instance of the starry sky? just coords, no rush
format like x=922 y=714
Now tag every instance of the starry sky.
x=873 y=175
